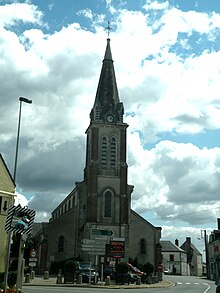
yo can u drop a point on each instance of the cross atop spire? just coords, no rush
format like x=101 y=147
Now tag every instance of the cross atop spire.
x=108 y=28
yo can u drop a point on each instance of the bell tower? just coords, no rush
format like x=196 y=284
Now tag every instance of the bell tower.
x=108 y=193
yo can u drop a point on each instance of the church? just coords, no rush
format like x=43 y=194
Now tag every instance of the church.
x=95 y=221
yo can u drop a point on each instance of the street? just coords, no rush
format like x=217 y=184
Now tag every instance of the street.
x=182 y=284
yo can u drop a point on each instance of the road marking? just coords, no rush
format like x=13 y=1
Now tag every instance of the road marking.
x=207 y=288
x=188 y=283
x=179 y=283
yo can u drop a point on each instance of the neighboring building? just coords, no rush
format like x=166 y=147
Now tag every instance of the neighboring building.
x=194 y=258
x=213 y=250
x=7 y=190
x=98 y=210
x=39 y=235
x=174 y=258
x=144 y=241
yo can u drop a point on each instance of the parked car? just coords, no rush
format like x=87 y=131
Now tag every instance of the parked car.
x=87 y=271
x=109 y=271
x=167 y=271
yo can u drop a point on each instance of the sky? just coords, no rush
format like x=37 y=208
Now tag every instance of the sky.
x=166 y=58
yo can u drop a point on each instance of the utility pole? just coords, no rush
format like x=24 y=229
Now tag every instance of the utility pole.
x=206 y=255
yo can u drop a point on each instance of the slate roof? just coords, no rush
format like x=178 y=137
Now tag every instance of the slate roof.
x=107 y=92
x=168 y=246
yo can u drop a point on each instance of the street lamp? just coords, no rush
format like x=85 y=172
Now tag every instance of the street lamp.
x=21 y=99
x=25 y=100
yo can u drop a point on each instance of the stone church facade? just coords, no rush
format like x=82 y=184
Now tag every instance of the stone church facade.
x=98 y=210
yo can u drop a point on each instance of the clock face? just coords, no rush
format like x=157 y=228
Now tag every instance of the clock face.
x=110 y=118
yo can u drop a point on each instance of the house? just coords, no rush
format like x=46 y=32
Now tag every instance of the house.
x=95 y=221
x=144 y=241
x=7 y=194
x=174 y=258
x=213 y=251
x=194 y=258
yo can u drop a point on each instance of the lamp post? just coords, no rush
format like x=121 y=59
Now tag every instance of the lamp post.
x=25 y=100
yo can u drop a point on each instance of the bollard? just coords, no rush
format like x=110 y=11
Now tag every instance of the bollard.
x=32 y=274
x=79 y=279
x=27 y=278
x=59 y=279
x=46 y=275
x=107 y=281
x=138 y=281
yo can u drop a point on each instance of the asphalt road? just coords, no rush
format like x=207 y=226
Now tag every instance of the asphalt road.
x=182 y=284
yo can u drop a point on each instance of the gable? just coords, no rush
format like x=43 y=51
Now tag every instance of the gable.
x=6 y=180
x=168 y=246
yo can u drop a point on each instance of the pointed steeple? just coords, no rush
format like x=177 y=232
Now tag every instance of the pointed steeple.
x=107 y=98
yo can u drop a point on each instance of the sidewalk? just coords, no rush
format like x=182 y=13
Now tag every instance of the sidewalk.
x=40 y=281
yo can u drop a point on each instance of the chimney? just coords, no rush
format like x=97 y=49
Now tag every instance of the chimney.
x=188 y=240
x=218 y=223
x=177 y=242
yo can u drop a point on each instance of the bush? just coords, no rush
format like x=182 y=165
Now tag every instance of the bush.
x=12 y=277
x=70 y=266
x=2 y=279
x=122 y=268
x=148 y=268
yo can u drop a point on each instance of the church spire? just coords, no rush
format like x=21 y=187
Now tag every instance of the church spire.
x=107 y=98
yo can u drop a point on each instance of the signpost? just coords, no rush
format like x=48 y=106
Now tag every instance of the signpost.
x=101 y=233
x=94 y=246
x=19 y=220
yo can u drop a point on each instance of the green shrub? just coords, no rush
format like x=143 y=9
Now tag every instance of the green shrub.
x=148 y=268
x=2 y=279
x=122 y=268
x=70 y=266
x=12 y=277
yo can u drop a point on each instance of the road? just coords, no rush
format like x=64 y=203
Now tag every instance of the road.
x=182 y=284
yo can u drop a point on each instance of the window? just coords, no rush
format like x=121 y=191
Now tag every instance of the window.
x=61 y=243
x=104 y=152
x=171 y=257
x=143 y=249
x=107 y=204
x=113 y=152
x=96 y=112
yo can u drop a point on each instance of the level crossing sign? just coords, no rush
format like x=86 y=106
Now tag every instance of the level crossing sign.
x=20 y=220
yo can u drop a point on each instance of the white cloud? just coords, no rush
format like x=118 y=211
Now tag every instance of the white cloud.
x=20 y=199
x=163 y=90
x=10 y=14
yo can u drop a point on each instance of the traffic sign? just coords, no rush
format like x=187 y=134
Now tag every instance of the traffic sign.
x=19 y=220
x=33 y=259
x=102 y=232
x=33 y=253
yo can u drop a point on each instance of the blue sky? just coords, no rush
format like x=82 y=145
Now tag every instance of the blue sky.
x=166 y=57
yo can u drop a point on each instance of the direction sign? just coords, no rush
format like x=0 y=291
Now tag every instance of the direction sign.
x=102 y=232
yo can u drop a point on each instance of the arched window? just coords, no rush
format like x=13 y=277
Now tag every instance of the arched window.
x=61 y=243
x=104 y=152
x=143 y=248
x=107 y=204
x=113 y=152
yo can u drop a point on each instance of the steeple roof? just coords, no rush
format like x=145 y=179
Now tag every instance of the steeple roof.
x=107 y=92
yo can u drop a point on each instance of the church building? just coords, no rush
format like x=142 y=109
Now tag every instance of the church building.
x=95 y=221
